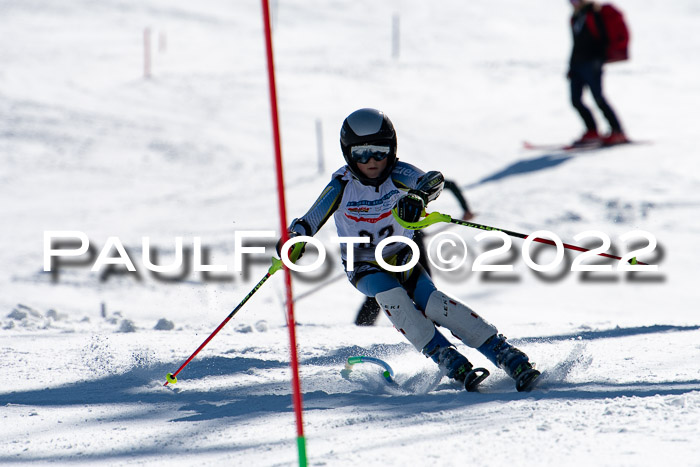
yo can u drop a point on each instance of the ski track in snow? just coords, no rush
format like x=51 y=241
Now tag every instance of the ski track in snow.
x=88 y=144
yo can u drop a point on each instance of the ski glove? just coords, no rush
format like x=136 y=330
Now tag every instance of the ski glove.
x=291 y=235
x=410 y=207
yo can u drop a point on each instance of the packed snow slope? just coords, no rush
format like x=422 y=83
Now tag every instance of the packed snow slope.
x=88 y=144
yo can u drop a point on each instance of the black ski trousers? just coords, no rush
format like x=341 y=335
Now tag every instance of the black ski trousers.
x=590 y=74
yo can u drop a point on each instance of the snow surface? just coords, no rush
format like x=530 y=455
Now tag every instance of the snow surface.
x=88 y=144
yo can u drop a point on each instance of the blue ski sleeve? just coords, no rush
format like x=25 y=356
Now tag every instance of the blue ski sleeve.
x=324 y=207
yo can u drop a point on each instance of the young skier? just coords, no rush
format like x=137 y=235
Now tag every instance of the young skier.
x=369 y=310
x=361 y=196
x=586 y=70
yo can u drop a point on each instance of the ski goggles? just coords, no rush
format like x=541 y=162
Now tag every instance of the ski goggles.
x=362 y=154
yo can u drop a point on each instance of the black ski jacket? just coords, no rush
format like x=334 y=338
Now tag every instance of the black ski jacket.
x=587 y=46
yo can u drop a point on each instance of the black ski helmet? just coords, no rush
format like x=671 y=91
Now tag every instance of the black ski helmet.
x=368 y=126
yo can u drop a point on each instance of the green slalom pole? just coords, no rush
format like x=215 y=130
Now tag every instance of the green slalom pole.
x=435 y=217
x=301 y=451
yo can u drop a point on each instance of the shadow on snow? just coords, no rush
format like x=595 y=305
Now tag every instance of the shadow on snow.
x=525 y=166
x=609 y=333
x=254 y=399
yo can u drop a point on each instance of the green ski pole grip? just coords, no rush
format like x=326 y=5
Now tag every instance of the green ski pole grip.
x=428 y=220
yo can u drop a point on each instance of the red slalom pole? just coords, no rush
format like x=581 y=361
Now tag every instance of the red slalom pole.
x=294 y=362
x=276 y=266
x=435 y=217
x=546 y=241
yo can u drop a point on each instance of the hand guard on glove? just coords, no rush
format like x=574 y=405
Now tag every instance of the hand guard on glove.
x=291 y=235
x=410 y=207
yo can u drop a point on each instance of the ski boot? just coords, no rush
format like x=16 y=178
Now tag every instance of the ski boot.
x=515 y=363
x=615 y=137
x=589 y=138
x=442 y=352
x=459 y=368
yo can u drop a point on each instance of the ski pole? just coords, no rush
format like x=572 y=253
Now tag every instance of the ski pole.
x=276 y=266
x=435 y=217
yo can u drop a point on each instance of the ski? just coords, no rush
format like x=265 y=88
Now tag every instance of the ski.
x=388 y=373
x=576 y=147
x=560 y=147
x=526 y=381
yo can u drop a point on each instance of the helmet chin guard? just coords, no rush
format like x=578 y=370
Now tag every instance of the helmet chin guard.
x=368 y=126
